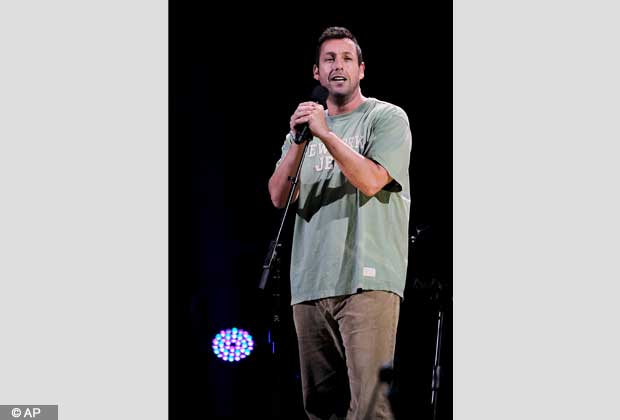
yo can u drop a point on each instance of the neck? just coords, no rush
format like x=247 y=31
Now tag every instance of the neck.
x=344 y=105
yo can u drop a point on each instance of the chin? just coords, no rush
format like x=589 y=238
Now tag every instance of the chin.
x=339 y=93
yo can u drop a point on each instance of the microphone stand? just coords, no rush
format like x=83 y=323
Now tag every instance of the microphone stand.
x=436 y=378
x=272 y=260
x=429 y=281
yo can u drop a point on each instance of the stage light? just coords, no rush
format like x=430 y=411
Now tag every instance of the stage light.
x=233 y=344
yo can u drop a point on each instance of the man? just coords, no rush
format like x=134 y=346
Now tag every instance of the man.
x=350 y=244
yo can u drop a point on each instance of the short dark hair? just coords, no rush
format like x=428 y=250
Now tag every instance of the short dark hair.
x=337 y=32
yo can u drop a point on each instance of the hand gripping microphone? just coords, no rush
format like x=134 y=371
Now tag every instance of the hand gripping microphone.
x=319 y=95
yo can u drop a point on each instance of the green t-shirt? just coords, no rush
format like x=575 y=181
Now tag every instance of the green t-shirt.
x=344 y=240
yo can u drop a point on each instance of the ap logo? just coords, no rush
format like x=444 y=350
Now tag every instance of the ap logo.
x=27 y=413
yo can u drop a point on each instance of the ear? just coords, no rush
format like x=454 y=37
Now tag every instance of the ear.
x=362 y=68
x=315 y=71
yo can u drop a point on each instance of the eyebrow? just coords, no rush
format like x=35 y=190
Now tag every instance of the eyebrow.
x=333 y=53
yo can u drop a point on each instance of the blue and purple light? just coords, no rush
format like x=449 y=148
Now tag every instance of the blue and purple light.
x=233 y=344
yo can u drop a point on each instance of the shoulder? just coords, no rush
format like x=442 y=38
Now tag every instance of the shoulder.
x=385 y=110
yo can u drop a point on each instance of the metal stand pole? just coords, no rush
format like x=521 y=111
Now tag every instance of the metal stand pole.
x=272 y=261
x=436 y=381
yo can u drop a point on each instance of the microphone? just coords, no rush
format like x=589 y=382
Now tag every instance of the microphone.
x=319 y=95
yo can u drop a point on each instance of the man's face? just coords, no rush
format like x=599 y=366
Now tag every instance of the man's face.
x=338 y=69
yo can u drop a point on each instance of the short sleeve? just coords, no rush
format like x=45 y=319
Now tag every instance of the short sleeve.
x=390 y=145
x=287 y=145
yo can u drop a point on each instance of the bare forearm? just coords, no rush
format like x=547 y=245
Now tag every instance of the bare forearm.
x=365 y=174
x=279 y=184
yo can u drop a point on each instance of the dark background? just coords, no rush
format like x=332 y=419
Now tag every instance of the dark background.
x=236 y=76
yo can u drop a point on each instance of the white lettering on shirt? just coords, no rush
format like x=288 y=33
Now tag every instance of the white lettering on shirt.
x=324 y=160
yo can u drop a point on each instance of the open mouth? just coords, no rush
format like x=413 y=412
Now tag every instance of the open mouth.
x=339 y=79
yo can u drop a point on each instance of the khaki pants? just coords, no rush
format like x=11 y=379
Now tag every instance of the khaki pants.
x=343 y=343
